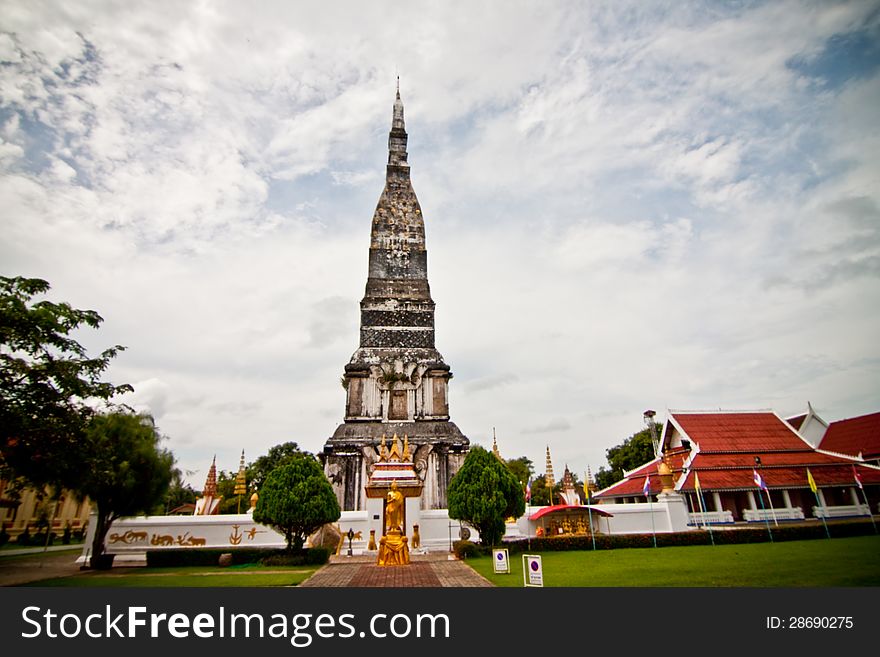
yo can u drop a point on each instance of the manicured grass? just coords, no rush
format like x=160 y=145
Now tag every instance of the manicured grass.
x=191 y=577
x=820 y=563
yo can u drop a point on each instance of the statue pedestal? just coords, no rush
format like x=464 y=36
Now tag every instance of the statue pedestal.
x=393 y=549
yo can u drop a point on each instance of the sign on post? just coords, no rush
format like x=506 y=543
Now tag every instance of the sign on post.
x=533 y=572
x=500 y=561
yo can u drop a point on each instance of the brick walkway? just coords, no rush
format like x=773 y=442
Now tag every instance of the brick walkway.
x=424 y=571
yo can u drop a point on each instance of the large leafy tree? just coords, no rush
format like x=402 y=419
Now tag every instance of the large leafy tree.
x=297 y=499
x=122 y=468
x=633 y=452
x=483 y=493
x=46 y=380
x=277 y=456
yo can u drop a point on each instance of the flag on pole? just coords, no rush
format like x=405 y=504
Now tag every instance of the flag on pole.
x=646 y=489
x=857 y=477
x=759 y=480
x=811 y=481
x=528 y=490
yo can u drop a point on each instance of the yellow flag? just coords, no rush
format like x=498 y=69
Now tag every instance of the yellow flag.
x=811 y=481
x=697 y=482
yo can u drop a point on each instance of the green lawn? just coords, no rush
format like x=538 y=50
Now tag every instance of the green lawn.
x=820 y=563
x=250 y=575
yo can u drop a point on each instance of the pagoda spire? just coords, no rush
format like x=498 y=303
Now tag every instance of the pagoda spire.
x=548 y=473
x=398 y=264
x=211 y=481
x=495 y=446
x=397 y=139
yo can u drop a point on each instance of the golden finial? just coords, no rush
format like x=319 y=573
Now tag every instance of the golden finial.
x=495 y=446
x=383 y=450
x=394 y=452
x=406 y=455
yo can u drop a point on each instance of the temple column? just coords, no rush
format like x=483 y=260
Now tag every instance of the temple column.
x=786 y=498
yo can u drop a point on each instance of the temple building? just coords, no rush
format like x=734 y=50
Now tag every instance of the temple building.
x=33 y=509
x=396 y=382
x=718 y=459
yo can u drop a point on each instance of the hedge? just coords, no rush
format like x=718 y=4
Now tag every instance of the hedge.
x=210 y=557
x=757 y=534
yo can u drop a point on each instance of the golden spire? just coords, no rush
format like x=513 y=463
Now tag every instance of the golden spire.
x=394 y=453
x=406 y=456
x=383 y=450
x=495 y=446
x=240 y=481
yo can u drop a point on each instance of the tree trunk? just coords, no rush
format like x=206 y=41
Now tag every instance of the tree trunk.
x=103 y=526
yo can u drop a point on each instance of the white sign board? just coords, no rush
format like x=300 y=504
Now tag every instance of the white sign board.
x=500 y=561
x=533 y=571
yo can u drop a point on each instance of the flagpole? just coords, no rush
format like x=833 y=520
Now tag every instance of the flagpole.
x=770 y=500
x=708 y=524
x=822 y=509
x=870 y=515
x=815 y=489
x=865 y=496
x=646 y=489
x=700 y=499
x=590 y=510
x=766 y=520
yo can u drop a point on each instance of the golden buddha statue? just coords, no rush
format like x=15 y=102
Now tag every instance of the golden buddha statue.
x=393 y=548
x=394 y=502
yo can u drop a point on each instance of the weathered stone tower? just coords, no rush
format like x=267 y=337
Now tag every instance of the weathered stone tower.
x=396 y=382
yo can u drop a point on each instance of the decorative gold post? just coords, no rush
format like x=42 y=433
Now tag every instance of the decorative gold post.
x=240 y=481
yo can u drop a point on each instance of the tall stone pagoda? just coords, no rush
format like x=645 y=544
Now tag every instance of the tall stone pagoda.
x=396 y=382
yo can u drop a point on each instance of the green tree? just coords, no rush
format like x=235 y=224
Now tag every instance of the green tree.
x=541 y=493
x=483 y=493
x=297 y=499
x=122 y=469
x=278 y=455
x=635 y=451
x=521 y=468
x=45 y=379
x=178 y=493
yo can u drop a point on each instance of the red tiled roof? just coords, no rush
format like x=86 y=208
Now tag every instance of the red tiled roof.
x=832 y=474
x=807 y=457
x=728 y=444
x=739 y=432
x=858 y=434
x=567 y=507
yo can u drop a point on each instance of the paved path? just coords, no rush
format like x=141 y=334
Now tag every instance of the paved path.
x=432 y=570
x=35 y=567
x=424 y=571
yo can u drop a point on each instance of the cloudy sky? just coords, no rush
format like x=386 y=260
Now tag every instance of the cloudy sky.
x=627 y=206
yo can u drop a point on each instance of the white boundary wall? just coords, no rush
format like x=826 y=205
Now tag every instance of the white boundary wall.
x=130 y=538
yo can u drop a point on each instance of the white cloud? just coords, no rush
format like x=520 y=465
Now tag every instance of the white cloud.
x=625 y=206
